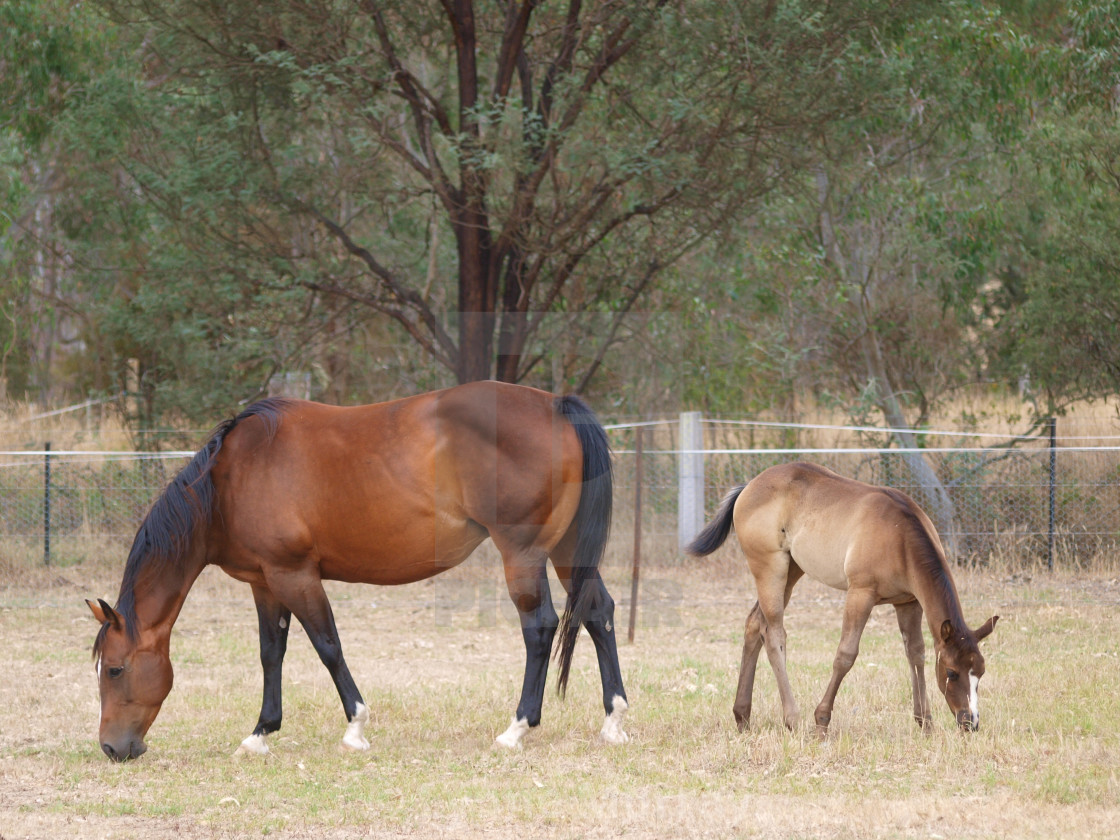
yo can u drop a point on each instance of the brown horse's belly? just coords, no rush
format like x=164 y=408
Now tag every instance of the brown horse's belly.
x=393 y=561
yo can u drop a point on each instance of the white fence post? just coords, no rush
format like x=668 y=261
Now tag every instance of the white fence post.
x=690 y=491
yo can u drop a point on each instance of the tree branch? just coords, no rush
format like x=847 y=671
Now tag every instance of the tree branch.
x=408 y=299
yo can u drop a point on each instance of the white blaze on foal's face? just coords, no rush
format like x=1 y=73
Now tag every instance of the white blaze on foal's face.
x=973 y=698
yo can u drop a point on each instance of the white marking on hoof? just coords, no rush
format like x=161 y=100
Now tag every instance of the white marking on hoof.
x=612 y=731
x=253 y=745
x=511 y=738
x=354 y=739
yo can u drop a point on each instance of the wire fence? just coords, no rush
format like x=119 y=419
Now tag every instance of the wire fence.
x=1039 y=501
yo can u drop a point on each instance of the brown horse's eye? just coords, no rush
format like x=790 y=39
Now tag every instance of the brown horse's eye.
x=115 y=672
x=952 y=675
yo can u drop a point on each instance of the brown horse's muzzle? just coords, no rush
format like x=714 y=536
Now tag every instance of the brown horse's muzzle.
x=131 y=748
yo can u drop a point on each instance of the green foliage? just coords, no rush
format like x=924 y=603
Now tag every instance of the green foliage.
x=222 y=193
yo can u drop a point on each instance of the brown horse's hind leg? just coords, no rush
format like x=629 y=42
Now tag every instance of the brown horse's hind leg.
x=527 y=581
x=752 y=644
x=600 y=626
x=273 y=619
x=910 y=623
x=857 y=609
x=303 y=594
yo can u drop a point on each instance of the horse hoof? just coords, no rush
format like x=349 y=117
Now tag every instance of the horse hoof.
x=253 y=745
x=511 y=738
x=613 y=736
x=612 y=731
x=354 y=739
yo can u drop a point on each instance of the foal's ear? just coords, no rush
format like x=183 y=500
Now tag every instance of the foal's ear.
x=946 y=630
x=986 y=628
x=104 y=613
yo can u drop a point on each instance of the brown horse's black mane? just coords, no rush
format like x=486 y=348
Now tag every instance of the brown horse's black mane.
x=186 y=503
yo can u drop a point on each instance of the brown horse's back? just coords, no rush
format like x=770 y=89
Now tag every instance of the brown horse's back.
x=394 y=492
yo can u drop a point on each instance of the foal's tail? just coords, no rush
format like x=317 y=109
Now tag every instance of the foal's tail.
x=715 y=533
x=593 y=523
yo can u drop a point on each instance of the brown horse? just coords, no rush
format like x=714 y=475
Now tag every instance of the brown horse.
x=876 y=543
x=290 y=493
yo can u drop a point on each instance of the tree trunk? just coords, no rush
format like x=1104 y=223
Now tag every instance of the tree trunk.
x=856 y=273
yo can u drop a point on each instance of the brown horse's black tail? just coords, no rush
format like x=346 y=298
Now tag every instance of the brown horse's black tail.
x=716 y=531
x=593 y=523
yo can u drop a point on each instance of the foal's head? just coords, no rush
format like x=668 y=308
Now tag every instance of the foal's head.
x=960 y=665
x=134 y=675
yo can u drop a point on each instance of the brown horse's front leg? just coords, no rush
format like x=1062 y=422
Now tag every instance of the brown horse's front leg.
x=910 y=623
x=304 y=595
x=752 y=644
x=857 y=609
x=273 y=619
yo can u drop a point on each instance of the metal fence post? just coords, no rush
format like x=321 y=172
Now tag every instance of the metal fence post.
x=47 y=503
x=1053 y=423
x=690 y=505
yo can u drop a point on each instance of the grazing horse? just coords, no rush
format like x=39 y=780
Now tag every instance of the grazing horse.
x=290 y=493
x=876 y=543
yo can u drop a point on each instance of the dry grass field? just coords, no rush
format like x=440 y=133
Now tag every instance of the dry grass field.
x=440 y=665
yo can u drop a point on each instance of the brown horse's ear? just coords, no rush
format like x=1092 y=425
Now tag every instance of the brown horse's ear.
x=986 y=628
x=946 y=630
x=104 y=613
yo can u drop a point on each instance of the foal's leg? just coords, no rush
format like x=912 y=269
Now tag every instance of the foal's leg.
x=910 y=623
x=303 y=594
x=527 y=581
x=274 y=619
x=752 y=645
x=857 y=609
x=773 y=591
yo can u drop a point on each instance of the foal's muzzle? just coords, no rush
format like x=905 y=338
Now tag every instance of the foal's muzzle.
x=967 y=722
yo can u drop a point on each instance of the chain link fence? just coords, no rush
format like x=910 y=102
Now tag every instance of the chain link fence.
x=1030 y=502
x=58 y=508
x=1027 y=504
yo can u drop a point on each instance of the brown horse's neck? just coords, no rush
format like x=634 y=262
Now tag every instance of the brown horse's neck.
x=160 y=591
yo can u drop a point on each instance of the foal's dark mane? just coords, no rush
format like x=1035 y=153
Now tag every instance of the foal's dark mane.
x=931 y=560
x=187 y=502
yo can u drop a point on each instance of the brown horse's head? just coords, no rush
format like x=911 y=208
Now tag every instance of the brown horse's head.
x=960 y=665
x=134 y=675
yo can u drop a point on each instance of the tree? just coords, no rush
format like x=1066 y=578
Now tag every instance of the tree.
x=471 y=171
x=48 y=50
x=1056 y=307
